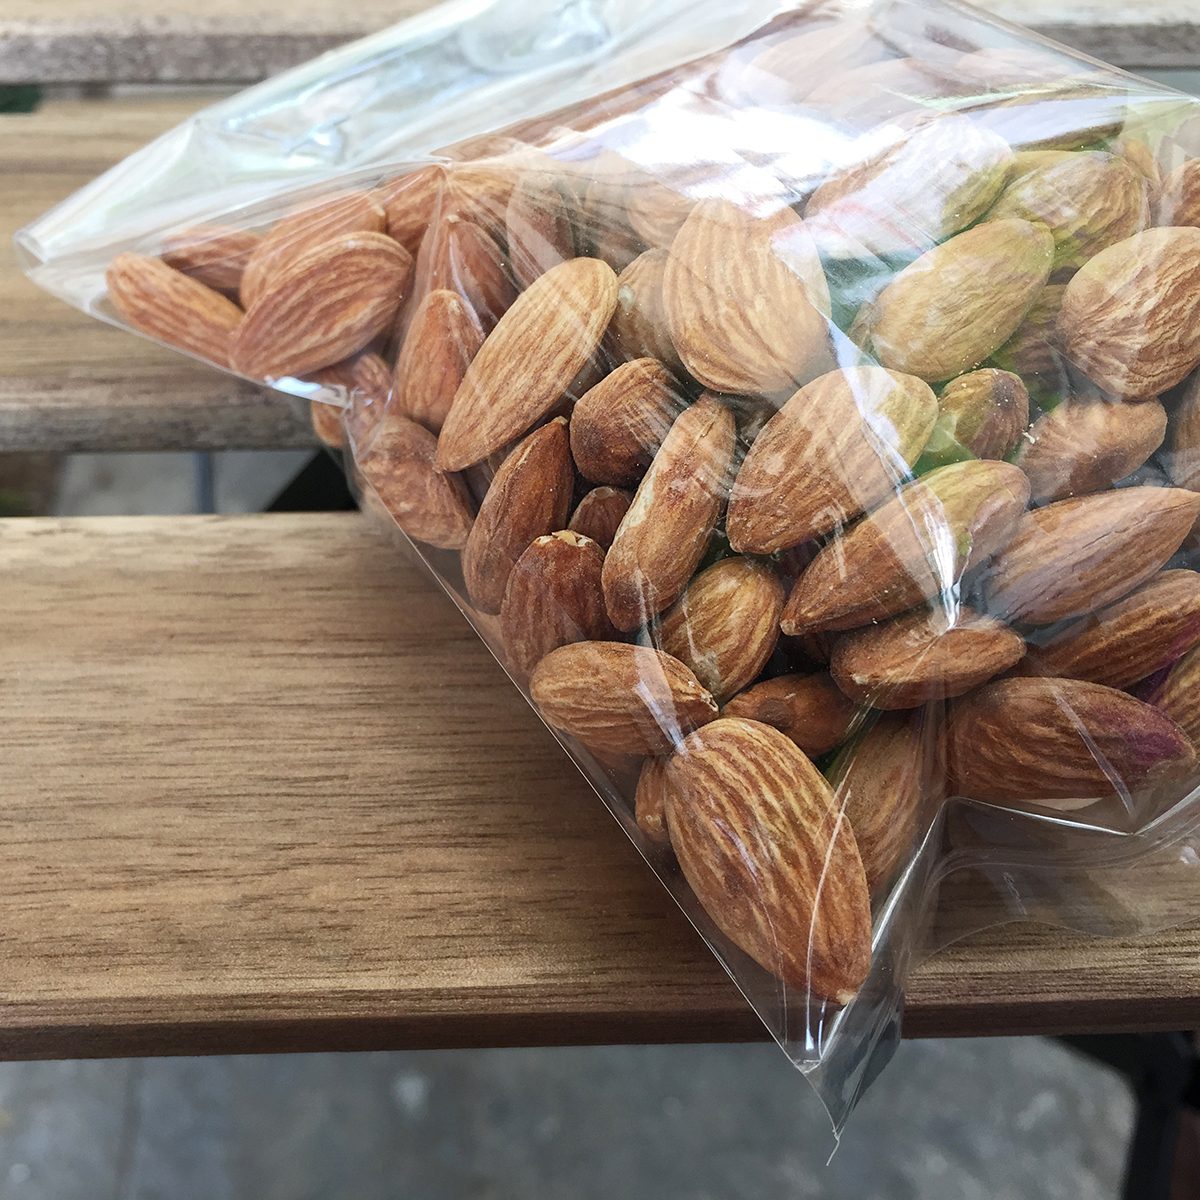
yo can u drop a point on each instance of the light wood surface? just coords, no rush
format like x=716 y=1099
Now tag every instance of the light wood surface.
x=69 y=382
x=263 y=789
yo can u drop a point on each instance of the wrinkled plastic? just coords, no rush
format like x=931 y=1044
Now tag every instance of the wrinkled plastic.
x=1009 y=720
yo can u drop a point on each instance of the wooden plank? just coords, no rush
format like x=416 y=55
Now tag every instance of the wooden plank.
x=264 y=790
x=237 y=41
x=69 y=382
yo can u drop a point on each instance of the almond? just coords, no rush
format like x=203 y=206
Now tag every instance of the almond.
x=529 y=498
x=620 y=698
x=1126 y=318
x=1182 y=456
x=1179 y=695
x=1085 y=445
x=639 y=324
x=1032 y=352
x=747 y=301
x=539 y=231
x=478 y=191
x=927 y=654
x=809 y=709
x=304 y=230
x=656 y=211
x=600 y=513
x=667 y=529
x=323 y=307
x=172 y=307
x=770 y=857
x=426 y=503
x=1179 y=203
x=1077 y=555
x=1056 y=742
x=1128 y=640
x=327 y=424
x=725 y=625
x=443 y=337
x=912 y=547
x=837 y=447
x=959 y=302
x=367 y=385
x=984 y=411
x=529 y=360
x=459 y=255
x=618 y=425
x=216 y=255
x=650 y=802
x=553 y=597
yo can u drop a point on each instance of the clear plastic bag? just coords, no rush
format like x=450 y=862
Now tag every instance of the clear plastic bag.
x=801 y=402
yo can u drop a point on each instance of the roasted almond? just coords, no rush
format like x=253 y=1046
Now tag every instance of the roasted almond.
x=839 y=446
x=809 y=709
x=459 y=255
x=639 y=324
x=912 y=547
x=650 y=801
x=216 y=255
x=1179 y=694
x=1033 y=352
x=600 y=513
x=667 y=529
x=1182 y=456
x=529 y=360
x=984 y=411
x=618 y=425
x=620 y=698
x=530 y=497
x=927 y=654
x=539 y=231
x=443 y=337
x=725 y=625
x=367 y=384
x=1179 y=202
x=1078 y=555
x=475 y=191
x=770 y=857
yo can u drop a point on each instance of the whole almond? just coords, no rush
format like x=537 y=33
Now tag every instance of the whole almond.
x=959 y=302
x=459 y=255
x=529 y=498
x=1179 y=694
x=620 y=698
x=838 y=446
x=1182 y=455
x=927 y=654
x=985 y=411
x=539 y=230
x=656 y=211
x=770 y=857
x=1078 y=555
x=1032 y=352
x=172 y=307
x=747 y=301
x=426 y=503
x=1179 y=202
x=1126 y=317
x=912 y=547
x=809 y=709
x=1056 y=742
x=443 y=337
x=639 y=324
x=216 y=255
x=725 y=625
x=528 y=362
x=323 y=307
x=618 y=425
x=304 y=230
x=600 y=513
x=1126 y=641
x=666 y=531
x=650 y=801
x=553 y=597
x=1085 y=445
x=367 y=384
x=327 y=424
x=473 y=191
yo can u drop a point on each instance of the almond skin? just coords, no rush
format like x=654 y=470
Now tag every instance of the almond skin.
x=836 y=448
x=1077 y=555
x=367 y=384
x=912 y=547
x=476 y=191
x=959 y=302
x=443 y=337
x=1127 y=641
x=304 y=230
x=600 y=513
x=1178 y=696
x=725 y=625
x=650 y=802
x=666 y=531
x=809 y=709
x=747 y=301
x=1126 y=319
x=426 y=503
x=619 y=698
x=639 y=324
x=928 y=654
x=770 y=857
x=539 y=231
x=1054 y=742
x=529 y=360
x=323 y=307
x=1085 y=445
x=529 y=497
x=460 y=256
x=618 y=425
x=1180 y=200
x=1182 y=456
x=1033 y=353
x=167 y=305
x=985 y=411
x=216 y=255
x=553 y=597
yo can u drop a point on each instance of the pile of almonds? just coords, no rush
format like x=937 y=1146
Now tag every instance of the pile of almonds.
x=802 y=506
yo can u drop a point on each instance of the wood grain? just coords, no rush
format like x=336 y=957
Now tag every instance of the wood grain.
x=69 y=382
x=264 y=790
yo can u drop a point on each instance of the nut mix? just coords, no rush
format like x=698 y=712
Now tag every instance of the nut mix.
x=809 y=492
